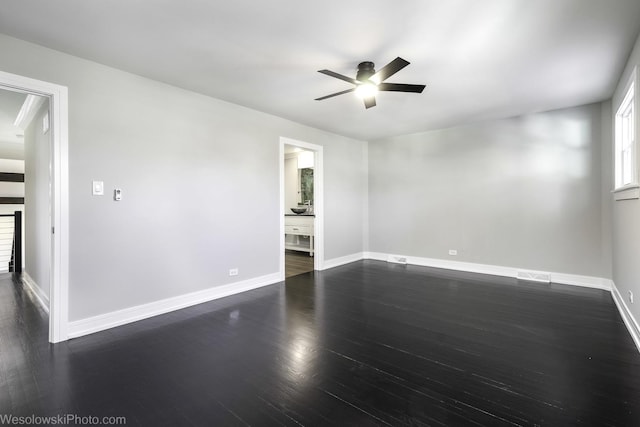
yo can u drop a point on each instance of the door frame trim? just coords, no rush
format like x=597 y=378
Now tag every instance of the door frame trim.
x=59 y=201
x=318 y=199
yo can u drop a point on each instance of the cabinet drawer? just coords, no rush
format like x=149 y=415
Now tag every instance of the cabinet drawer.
x=303 y=230
x=298 y=220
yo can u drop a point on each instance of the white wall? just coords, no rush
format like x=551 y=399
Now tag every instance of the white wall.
x=11 y=150
x=290 y=183
x=626 y=213
x=523 y=192
x=12 y=165
x=606 y=179
x=8 y=165
x=199 y=178
x=36 y=222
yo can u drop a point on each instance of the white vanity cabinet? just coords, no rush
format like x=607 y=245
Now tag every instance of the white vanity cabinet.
x=299 y=226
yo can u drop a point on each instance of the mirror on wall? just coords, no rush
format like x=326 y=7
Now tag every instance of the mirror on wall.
x=306 y=185
x=299 y=178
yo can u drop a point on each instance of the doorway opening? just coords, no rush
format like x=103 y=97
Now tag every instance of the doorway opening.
x=25 y=218
x=52 y=127
x=301 y=207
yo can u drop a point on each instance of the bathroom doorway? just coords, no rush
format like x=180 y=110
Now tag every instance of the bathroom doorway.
x=298 y=210
x=301 y=207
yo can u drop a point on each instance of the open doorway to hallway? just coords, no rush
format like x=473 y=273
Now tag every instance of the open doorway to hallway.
x=57 y=97
x=25 y=190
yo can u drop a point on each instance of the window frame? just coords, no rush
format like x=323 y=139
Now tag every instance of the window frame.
x=625 y=122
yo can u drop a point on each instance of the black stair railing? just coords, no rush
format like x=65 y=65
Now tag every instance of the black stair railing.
x=15 y=262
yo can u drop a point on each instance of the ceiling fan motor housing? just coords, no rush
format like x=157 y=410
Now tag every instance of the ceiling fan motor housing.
x=365 y=70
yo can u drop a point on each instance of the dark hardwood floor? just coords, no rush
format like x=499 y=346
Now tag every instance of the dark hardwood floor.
x=368 y=343
x=296 y=262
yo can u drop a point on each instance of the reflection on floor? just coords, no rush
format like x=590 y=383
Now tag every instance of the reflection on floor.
x=296 y=262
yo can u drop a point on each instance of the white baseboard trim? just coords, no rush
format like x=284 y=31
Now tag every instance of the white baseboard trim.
x=447 y=264
x=336 y=262
x=105 y=321
x=495 y=270
x=584 y=281
x=41 y=298
x=629 y=321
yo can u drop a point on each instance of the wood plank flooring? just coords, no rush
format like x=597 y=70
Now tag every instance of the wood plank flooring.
x=296 y=262
x=368 y=343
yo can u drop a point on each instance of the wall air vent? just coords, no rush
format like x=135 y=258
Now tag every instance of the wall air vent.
x=534 y=276
x=396 y=259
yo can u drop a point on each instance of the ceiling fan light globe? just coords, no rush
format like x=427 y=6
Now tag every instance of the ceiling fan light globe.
x=366 y=90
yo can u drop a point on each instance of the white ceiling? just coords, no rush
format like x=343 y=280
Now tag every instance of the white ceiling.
x=481 y=59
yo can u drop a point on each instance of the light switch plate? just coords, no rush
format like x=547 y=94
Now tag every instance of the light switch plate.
x=98 y=188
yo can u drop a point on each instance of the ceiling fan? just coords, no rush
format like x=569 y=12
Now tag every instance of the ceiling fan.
x=368 y=82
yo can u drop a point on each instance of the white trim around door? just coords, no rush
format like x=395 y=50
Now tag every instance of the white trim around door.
x=318 y=196
x=59 y=131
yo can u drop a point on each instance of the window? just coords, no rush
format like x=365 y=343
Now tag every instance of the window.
x=625 y=141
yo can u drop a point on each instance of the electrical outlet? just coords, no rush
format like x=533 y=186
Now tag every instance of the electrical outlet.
x=453 y=252
x=631 y=297
x=233 y=272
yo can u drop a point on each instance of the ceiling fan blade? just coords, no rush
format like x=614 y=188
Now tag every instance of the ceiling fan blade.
x=339 y=76
x=335 y=94
x=370 y=102
x=400 y=87
x=389 y=70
